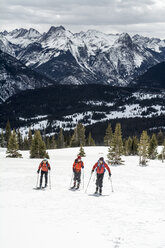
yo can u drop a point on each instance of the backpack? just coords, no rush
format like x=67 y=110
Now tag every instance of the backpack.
x=76 y=161
x=100 y=166
x=46 y=164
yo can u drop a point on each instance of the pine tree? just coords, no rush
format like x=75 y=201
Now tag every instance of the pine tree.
x=128 y=147
x=163 y=151
x=25 y=144
x=78 y=137
x=38 y=147
x=42 y=150
x=53 y=144
x=30 y=138
x=90 y=140
x=116 y=147
x=12 y=148
x=143 y=148
x=108 y=135
x=152 y=148
x=162 y=154
x=160 y=138
x=47 y=142
x=8 y=132
x=74 y=140
x=67 y=140
x=20 y=140
x=82 y=152
x=135 y=144
x=2 y=141
x=60 y=139
x=81 y=134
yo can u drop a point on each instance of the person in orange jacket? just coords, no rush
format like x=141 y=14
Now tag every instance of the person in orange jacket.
x=77 y=166
x=44 y=167
x=100 y=168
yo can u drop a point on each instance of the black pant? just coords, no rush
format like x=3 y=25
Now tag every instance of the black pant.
x=77 y=176
x=46 y=177
x=99 y=180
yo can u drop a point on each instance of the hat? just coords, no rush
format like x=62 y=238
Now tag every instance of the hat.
x=79 y=157
x=45 y=159
x=101 y=159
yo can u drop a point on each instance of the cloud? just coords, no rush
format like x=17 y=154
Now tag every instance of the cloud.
x=75 y=13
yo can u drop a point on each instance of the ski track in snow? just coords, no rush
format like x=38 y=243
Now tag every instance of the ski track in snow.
x=131 y=217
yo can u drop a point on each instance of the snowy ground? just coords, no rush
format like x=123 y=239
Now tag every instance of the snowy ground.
x=131 y=217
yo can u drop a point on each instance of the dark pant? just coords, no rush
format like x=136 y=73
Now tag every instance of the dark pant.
x=99 y=180
x=77 y=176
x=46 y=177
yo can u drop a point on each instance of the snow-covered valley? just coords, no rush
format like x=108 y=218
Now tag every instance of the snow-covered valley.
x=133 y=216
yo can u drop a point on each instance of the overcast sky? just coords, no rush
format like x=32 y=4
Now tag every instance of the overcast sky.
x=146 y=17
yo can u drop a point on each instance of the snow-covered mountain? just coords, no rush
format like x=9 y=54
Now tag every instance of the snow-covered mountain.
x=5 y=46
x=153 y=78
x=86 y=57
x=16 y=77
x=154 y=44
x=22 y=37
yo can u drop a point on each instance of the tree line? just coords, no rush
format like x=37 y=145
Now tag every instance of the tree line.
x=144 y=146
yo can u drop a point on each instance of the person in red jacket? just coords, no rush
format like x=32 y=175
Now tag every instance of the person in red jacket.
x=100 y=168
x=77 y=166
x=44 y=167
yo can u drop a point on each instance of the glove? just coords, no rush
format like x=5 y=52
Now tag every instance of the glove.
x=109 y=174
x=92 y=171
x=38 y=171
x=73 y=170
x=82 y=167
x=49 y=168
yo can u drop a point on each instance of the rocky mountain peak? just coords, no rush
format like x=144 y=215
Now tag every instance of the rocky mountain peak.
x=21 y=32
x=54 y=29
x=124 y=39
x=32 y=33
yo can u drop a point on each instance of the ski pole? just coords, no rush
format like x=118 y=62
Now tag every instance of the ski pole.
x=111 y=184
x=83 y=178
x=71 y=180
x=37 y=180
x=94 y=178
x=49 y=180
x=88 y=182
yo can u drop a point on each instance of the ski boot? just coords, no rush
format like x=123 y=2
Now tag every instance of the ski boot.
x=100 y=191
x=74 y=185
x=78 y=185
x=96 y=191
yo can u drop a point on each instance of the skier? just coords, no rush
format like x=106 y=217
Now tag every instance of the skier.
x=44 y=166
x=77 y=166
x=100 y=167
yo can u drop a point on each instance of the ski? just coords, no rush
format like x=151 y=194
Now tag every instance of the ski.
x=97 y=195
x=38 y=188
x=74 y=189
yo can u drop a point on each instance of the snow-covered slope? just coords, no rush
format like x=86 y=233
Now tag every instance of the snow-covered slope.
x=154 y=44
x=131 y=217
x=16 y=77
x=65 y=106
x=153 y=78
x=86 y=57
x=5 y=46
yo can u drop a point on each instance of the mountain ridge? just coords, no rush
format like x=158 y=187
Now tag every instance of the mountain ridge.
x=114 y=59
